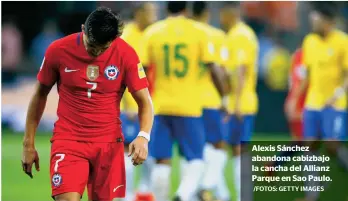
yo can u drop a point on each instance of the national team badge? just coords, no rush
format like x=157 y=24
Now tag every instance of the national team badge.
x=111 y=72
x=92 y=72
x=56 y=180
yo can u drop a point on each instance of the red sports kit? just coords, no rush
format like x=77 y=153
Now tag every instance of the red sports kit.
x=296 y=74
x=87 y=142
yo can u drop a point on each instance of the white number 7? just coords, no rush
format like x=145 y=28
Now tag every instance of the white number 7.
x=57 y=161
x=89 y=91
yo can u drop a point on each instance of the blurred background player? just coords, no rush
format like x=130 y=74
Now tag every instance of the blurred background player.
x=243 y=52
x=325 y=60
x=175 y=46
x=214 y=153
x=144 y=15
x=294 y=117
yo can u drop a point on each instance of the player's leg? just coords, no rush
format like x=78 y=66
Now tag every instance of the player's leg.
x=335 y=129
x=214 y=154
x=189 y=133
x=161 y=150
x=311 y=133
x=107 y=179
x=69 y=170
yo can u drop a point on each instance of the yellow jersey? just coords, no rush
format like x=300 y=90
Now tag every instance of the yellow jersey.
x=175 y=47
x=133 y=36
x=243 y=49
x=325 y=61
x=210 y=95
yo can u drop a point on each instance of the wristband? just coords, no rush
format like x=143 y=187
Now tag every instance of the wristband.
x=224 y=101
x=339 y=92
x=144 y=135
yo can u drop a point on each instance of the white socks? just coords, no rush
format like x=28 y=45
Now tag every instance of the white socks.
x=144 y=185
x=311 y=195
x=222 y=192
x=342 y=155
x=237 y=175
x=215 y=160
x=160 y=179
x=129 y=177
x=190 y=180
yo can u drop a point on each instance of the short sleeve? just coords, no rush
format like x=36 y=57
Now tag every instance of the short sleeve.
x=135 y=77
x=48 y=73
x=207 y=48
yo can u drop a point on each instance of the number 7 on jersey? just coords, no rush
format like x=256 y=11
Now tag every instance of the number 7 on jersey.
x=89 y=91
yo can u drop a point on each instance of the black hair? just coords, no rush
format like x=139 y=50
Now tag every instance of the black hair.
x=175 y=7
x=326 y=8
x=103 y=26
x=234 y=4
x=199 y=7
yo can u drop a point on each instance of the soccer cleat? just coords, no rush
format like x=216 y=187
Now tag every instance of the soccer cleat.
x=144 y=197
x=176 y=198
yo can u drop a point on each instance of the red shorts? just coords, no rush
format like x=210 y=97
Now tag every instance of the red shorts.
x=296 y=129
x=99 y=166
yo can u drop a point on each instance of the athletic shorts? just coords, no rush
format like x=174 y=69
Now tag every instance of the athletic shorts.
x=214 y=127
x=188 y=132
x=325 y=124
x=130 y=129
x=296 y=129
x=240 y=130
x=99 y=166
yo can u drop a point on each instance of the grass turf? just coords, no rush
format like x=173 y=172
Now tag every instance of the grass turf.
x=16 y=186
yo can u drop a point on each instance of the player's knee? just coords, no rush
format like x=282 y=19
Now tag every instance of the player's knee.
x=73 y=196
x=236 y=150
x=331 y=146
x=219 y=145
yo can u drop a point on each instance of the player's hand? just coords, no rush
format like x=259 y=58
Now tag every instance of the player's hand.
x=132 y=116
x=29 y=157
x=331 y=101
x=238 y=112
x=290 y=110
x=139 y=150
x=225 y=114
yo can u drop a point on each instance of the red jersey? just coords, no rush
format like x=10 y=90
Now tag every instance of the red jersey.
x=90 y=89
x=296 y=75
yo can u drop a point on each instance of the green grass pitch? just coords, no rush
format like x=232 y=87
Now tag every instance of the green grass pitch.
x=16 y=186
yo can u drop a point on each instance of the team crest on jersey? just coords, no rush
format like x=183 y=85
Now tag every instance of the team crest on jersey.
x=56 y=180
x=92 y=72
x=111 y=72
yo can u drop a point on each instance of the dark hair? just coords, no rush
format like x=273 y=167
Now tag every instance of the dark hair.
x=327 y=8
x=234 y=4
x=199 y=7
x=175 y=7
x=103 y=26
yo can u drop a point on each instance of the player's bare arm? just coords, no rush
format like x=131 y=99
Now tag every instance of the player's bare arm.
x=35 y=111
x=339 y=91
x=241 y=70
x=298 y=91
x=139 y=147
x=219 y=80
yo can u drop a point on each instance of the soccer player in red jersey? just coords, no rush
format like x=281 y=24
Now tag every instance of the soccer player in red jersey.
x=294 y=117
x=92 y=70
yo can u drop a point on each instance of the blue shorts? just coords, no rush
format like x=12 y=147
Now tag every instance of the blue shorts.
x=214 y=127
x=130 y=129
x=188 y=132
x=325 y=124
x=240 y=131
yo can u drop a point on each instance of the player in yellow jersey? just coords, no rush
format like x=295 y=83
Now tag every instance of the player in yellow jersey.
x=215 y=129
x=242 y=45
x=144 y=15
x=325 y=59
x=175 y=46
